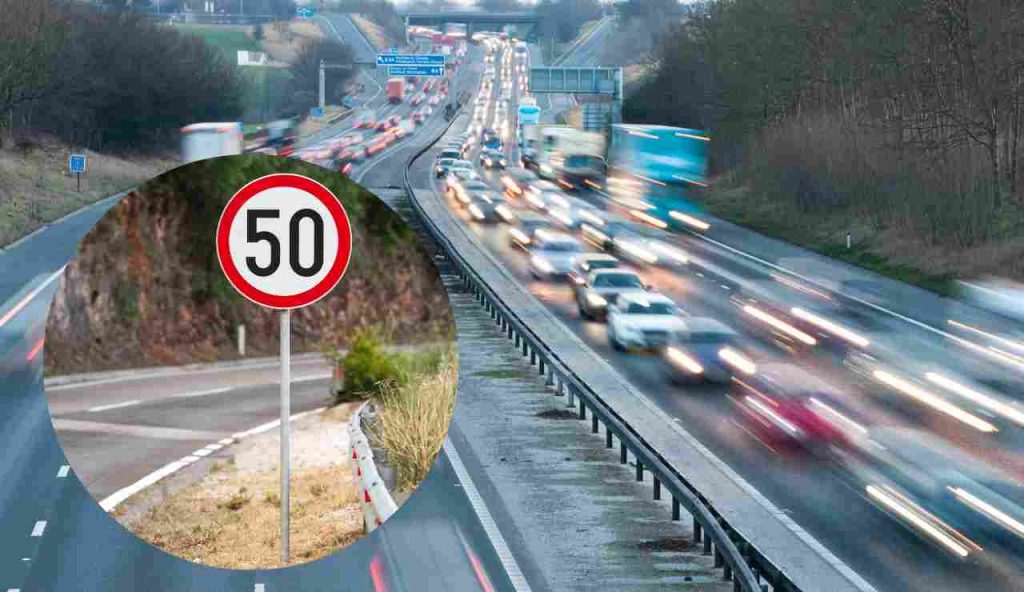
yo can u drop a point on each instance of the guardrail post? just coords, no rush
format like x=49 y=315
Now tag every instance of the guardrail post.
x=551 y=378
x=675 y=510
x=707 y=551
x=727 y=572
x=607 y=436
x=540 y=366
x=516 y=341
x=639 y=469
x=533 y=357
x=696 y=531
x=657 y=488
x=526 y=348
x=583 y=409
x=560 y=387
x=594 y=427
x=508 y=327
x=623 y=453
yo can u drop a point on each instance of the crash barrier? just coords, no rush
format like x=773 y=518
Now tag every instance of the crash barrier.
x=376 y=501
x=739 y=560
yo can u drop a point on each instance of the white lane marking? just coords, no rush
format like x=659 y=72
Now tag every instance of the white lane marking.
x=37 y=530
x=508 y=561
x=259 y=588
x=113 y=500
x=28 y=297
x=179 y=371
x=63 y=472
x=311 y=377
x=14 y=590
x=214 y=391
x=138 y=431
x=114 y=406
x=214 y=447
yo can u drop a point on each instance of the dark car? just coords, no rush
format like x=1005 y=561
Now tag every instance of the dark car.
x=523 y=234
x=706 y=350
x=493 y=159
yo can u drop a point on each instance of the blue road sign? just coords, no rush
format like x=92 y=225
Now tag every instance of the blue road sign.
x=76 y=163
x=392 y=50
x=426 y=59
x=306 y=11
x=428 y=71
x=316 y=112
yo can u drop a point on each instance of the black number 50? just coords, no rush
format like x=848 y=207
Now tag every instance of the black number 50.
x=254 y=235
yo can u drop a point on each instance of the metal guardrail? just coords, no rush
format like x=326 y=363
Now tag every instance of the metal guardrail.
x=740 y=561
x=376 y=501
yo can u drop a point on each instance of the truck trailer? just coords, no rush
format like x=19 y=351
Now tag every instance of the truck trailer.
x=567 y=155
x=210 y=140
x=395 y=90
x=672 y=155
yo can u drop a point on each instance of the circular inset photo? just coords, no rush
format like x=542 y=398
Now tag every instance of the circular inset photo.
x=239 y=318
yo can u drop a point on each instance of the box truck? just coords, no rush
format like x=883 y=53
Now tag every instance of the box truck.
x=395 y=89
x=210 y=140
x=672 y=155
x=568 y=155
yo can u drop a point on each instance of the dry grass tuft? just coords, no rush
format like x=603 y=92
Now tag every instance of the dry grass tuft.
x=413 y=422
x=284 y=40
x=373 y=32
x=232 y=520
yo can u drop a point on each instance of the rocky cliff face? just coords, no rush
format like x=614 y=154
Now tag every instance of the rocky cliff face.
x=146 y=288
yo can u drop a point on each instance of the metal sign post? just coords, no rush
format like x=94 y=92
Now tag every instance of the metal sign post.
x=286 y=440
x=284 y=241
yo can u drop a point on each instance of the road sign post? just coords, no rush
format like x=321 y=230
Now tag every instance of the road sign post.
x=284 y=242
x=76 y=165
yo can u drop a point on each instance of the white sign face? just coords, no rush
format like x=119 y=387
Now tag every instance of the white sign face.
x=284 y=241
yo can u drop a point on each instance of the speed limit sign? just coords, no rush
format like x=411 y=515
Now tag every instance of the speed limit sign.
x=284 y=241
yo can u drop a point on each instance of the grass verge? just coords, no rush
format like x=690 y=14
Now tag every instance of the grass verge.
x=230 y=518
x=35 y=188
x=373 y=33
x=413 y=419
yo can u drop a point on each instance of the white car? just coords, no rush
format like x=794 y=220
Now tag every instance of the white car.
x=643 y=321
x=553 y=255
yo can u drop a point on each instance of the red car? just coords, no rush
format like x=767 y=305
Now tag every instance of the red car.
x=786 y=404
x=368 y=124
x=384 y=125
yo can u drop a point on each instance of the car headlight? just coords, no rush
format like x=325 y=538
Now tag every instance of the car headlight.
x=596 y=300
x=545 y=168
x=502 y=162
x=504 y=212
x=476 y=212
x=543 y=264
x=683 y=361
x=737 y=360
x=520 y=236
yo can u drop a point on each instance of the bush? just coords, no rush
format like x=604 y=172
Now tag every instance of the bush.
x=367 y=366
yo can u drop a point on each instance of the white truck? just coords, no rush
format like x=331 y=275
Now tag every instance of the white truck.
x=210 y=140
x=566 y=154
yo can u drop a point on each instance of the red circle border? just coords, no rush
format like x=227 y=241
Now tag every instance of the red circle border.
x=324 y=196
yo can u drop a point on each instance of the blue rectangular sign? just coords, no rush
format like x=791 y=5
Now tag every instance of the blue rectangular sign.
x=306 y=11
x=429 y=71
x=413 y=59
x=76 y=163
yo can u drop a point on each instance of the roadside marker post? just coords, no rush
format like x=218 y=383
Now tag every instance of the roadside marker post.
x=76 y=165
x=284 y=242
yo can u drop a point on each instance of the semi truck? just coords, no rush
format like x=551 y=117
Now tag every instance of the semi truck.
x=281 y=133
x=395 y=89
x=671 y=155
x=210 y=140
x=566 y=154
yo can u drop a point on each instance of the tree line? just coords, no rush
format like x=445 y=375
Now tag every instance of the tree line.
x=106 y=81
x=910 y=112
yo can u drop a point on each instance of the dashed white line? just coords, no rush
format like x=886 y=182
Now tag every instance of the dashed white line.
x=213 y=391
x=114 y=406
x=202 y=452
x=63 y=472
x=259 y=588
x=40 y=526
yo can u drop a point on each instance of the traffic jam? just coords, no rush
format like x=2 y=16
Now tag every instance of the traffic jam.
x=780 y=374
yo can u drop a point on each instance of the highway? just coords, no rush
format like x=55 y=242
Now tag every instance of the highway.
x=808 y=489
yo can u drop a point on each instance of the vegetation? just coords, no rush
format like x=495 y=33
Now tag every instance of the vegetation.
x=901 y=122
x=366 y=365
x=381 y=12
x=413 y=419
x=561 y=20
x=106 y=81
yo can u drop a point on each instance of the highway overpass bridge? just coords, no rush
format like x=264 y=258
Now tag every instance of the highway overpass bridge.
x=475 y=20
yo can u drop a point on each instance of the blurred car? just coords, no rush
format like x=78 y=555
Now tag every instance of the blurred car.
x=457 y=173
x=642 y=320
x=957 y=502
x=516 y=181
x=528 y=158
x=552 y=254
x=384 y=125
x=416 y=100
x=788 y=404
x=524 y=232
x=572 y=212
x=434 y=100
x=706 y=349
x=463 y=190
x=492 y=159
x=635 y=248
x=368 y=123
x=483 y=206
x=418 y=117
x=602 y=236
x=602 y=286
x=449 y=153
x=442 y=166
x=588 y=262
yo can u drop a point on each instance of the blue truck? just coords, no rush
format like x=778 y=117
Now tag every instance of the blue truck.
x=671 y=155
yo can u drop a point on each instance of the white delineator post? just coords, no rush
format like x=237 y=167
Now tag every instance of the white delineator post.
x=241 y=340
x=286 y=354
